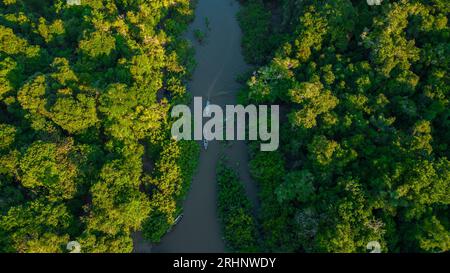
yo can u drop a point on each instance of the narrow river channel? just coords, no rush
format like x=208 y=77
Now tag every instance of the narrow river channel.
x=219 y=62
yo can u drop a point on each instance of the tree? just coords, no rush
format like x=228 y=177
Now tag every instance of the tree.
x=235 y=212
x=84 y=90
x=363 y=154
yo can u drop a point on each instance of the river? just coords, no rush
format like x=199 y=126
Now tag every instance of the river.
x=219 y=62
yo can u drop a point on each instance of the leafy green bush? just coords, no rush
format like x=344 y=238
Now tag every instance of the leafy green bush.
x=199 y=35
x=258 y=39
x=155 y=227
x=235 y=212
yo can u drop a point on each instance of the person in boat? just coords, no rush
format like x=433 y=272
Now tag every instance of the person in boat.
x=207 y=110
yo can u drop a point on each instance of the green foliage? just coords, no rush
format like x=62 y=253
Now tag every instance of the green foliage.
x=45 y=166
x=83 y=89
x=155 y=227
x=364 y=149
x=37 y=226
x=7 y=135
x=169 y=186
x=235 y=212
x=199 y=35
x=258 y=41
